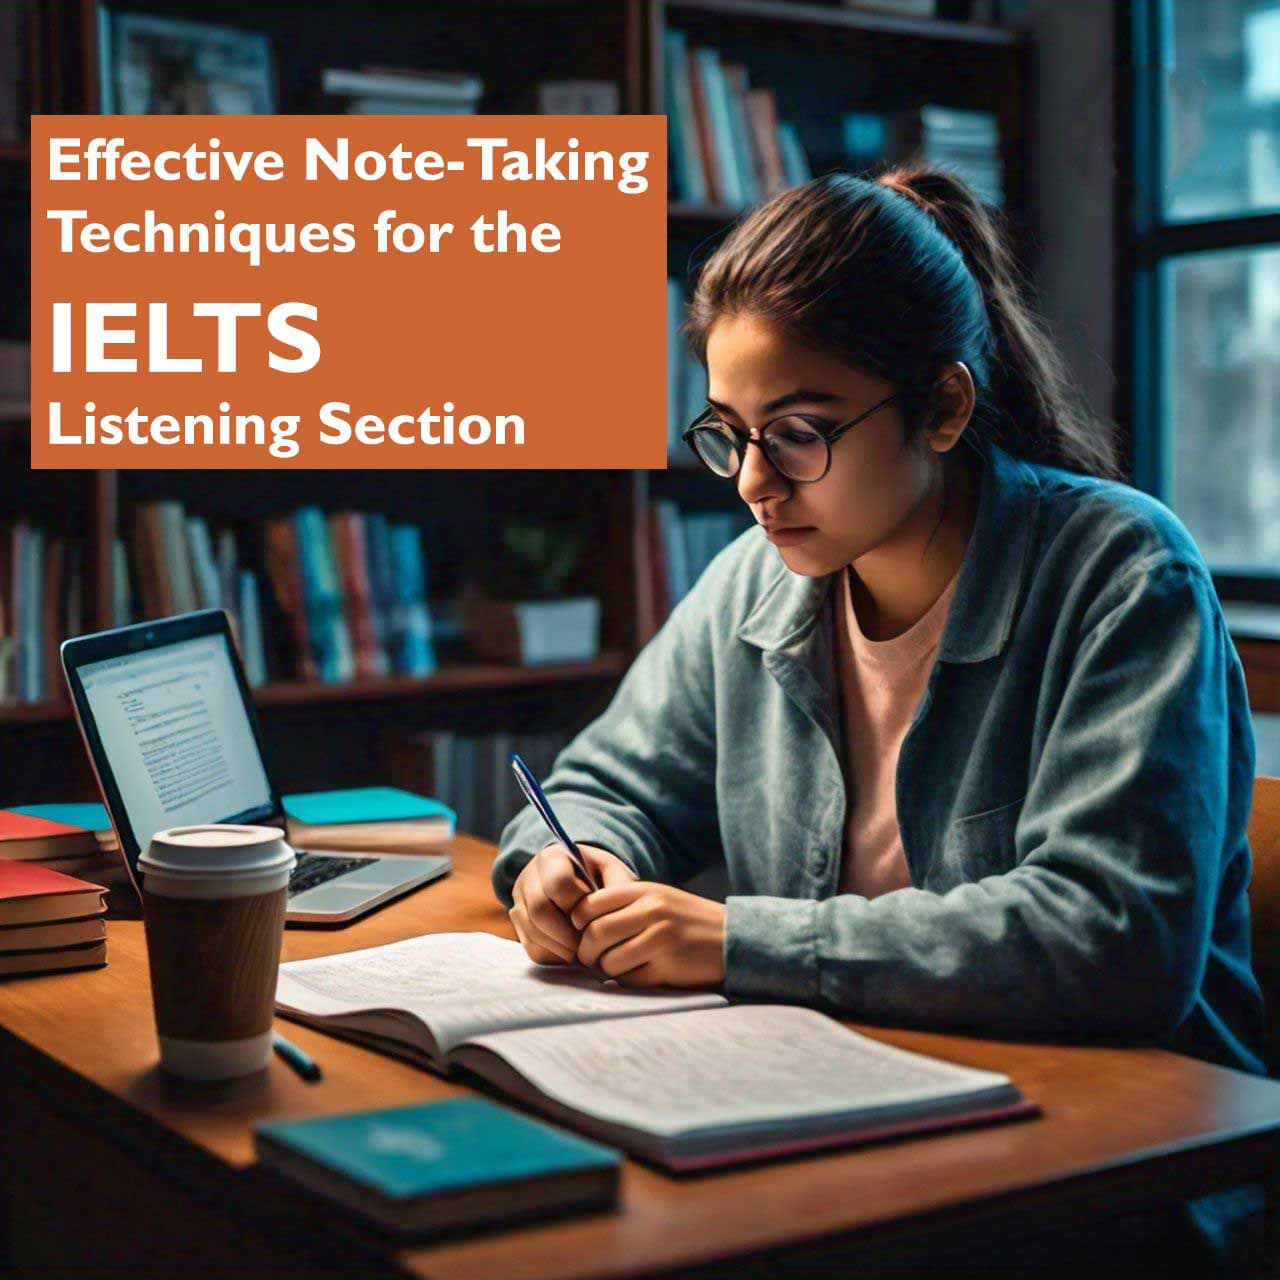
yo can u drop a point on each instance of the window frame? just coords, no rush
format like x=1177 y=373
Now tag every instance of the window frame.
x=1144 y=40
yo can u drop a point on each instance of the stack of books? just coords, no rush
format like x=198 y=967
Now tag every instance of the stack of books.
x=49 y=920
x=75 y=839
x=391 y=91
x=369 y=818
x=965 y=142
x=684 y=543
x=41 y=603
x=727 y=145
x=313 y=596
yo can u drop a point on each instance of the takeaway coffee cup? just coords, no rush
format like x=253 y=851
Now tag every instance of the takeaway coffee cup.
x=213 y=901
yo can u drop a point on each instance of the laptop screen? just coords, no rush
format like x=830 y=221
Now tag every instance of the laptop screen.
x=173 y=725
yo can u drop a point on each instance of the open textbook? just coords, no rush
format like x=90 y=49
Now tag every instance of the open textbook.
x=684 y=1079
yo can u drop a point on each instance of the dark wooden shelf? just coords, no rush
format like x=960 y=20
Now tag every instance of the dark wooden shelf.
x=684 y=211
x=459 y=678
x=47 y=712
x=838 y=18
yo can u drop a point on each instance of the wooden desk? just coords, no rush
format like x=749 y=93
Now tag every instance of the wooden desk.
x=111 y=1161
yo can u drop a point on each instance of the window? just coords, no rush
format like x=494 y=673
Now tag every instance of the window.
x=1206 y=289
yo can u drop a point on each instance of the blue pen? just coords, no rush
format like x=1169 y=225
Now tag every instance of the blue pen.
x=533 y=792
x=295 y=1057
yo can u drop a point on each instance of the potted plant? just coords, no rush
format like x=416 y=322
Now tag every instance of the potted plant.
x=530 y=620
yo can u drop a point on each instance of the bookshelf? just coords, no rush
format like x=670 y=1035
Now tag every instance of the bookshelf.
x=820 y=59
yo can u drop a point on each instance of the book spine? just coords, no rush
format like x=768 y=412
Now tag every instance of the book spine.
x=204 y=571
x=682 y=126
x=121 y=608
x=51 y=617
x=18 y=607
x=176 y=560
x=716 y=95
x=762 y=111
x=319 y=597
x=228 y=572
x=411 y=624
x=6 y=614
x=347 y=531
x=284 y=570
x=33 y=670
x=711 y=164
x=250 y=615
x=735 y=83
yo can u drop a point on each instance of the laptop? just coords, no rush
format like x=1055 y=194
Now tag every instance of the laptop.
x=170 y=728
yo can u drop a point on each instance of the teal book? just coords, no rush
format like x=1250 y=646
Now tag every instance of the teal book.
x=441 y=1166
x=363 y=804
x=90 y=816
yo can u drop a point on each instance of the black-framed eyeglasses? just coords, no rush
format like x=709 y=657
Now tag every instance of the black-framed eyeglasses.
x=798 y=447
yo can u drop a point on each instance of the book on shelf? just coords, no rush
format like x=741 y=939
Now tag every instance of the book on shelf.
x=311 y=596
x=963 y=141
x=686 y=378
x=726 y=142
x=15 y=380
x=472 y=773
x=14 y=107
x=605 y=1059
x=576 y=98
x=41 y=601
x=327 y=632
x=409 y=623
x=444 y=1165
x=687 y=541
x=386 y=91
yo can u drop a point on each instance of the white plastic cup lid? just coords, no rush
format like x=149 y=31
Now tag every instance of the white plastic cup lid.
x=217 y=847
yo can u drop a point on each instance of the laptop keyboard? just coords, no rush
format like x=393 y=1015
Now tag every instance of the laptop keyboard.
x=312 y=870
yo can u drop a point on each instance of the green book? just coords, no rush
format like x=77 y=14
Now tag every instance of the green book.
x=441 y=1166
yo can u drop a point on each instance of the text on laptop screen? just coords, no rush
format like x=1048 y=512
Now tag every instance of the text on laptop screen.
x=174 y=727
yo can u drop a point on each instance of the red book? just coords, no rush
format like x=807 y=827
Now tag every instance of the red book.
x=705 y=134
x=23 y=836
x=346 y=531
x=30 y=894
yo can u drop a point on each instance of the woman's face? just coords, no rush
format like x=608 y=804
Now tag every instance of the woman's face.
x=875 y=480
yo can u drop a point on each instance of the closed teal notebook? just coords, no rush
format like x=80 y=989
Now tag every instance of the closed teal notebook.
x=362 y=804
x=406 y=1153
x=92 y=817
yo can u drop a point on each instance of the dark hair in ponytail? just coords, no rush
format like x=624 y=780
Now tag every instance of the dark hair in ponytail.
x=899 y=275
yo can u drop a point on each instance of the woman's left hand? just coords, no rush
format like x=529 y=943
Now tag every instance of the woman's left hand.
x=649 y=935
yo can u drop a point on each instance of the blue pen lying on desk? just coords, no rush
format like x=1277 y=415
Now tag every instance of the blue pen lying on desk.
x=299 y=1061
x=533 y=792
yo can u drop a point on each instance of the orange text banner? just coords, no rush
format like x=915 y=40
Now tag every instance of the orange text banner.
x=348 y=292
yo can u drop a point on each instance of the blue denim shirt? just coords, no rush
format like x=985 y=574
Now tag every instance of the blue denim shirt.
x=1072 y=792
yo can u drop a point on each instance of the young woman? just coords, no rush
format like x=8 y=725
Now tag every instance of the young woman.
x=961 y=718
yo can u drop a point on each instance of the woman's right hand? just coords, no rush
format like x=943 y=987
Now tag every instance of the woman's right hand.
x=545 y=894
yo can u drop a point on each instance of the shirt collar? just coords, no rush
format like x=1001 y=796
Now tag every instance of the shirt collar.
x=988 y=590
